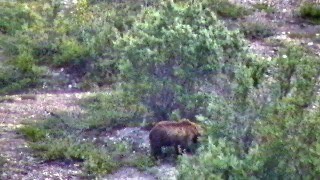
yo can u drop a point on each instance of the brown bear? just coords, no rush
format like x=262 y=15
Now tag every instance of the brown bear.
x=181 y=135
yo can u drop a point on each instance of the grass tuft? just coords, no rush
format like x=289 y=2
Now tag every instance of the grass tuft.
x=257 y=30
x=264 y=7
x=311 y=12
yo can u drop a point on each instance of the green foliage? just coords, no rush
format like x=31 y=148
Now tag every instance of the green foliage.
x=96 y=160
x=297 y=74
x=2 y=162
x=33 y=134
x=270 y=136
x=256 y=30
x=71 y=53
x=289 y=144
x=310 y=11
x=58 y=139
x=219 y=160
x=64 y=136
x=14 y=79
x=142 y=162
x=79 y=39
x=291 y=122
x=15 y=16
x=264 y=7
x=165 y=61
x=113 y=109
x=100 y=162
x=24 y=62
x=224 y=8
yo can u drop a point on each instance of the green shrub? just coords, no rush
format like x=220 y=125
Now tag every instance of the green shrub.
x=96 y=160
x=224 y=8
x=14 y=16
x=114 y=109
x=2 y=162
x=100 y=162
x=264 y=7
x=290 y=143
x=166 y=61
x=13 y=80
x=257 y=30
x=80 y=39
x=310 y=11
x=272 y=135
x=32 y=133
x=142 y=162
x=70 y=53
x=219 y=159
x=291 y=123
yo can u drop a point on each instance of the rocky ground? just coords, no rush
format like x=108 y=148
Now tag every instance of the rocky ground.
x=17 y=109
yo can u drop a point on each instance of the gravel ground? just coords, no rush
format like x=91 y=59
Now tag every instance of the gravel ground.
x=22 y=165
x=20 y=162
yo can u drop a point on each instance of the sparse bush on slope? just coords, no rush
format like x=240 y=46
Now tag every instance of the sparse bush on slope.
x=79 y=39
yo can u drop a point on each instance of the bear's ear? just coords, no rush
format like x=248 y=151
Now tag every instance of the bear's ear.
x=185 y=119
x=200 y=130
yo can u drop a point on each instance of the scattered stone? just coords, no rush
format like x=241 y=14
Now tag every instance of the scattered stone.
x=128 y=173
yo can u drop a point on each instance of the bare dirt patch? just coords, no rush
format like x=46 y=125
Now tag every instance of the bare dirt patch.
x=287 y=25
x=20 y=164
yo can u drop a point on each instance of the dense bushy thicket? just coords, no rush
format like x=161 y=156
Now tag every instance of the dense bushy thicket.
x=14 y=16
x=274 y=135
x=77 y=37
x=173 y=56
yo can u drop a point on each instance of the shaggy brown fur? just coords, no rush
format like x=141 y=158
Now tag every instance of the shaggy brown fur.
x=180 y=135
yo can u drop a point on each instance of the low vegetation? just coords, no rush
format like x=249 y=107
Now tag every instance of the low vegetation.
x=277 y=139
x=311 y=12
x=167 y=60
x=264 y=7
x=40 y=34
x=97 y=160
x=78 y=40
x=113 y=109
x=257 y=30
x=178 y=60
x=64 y=136
x=226 y=9
x=6 y=99
x=2 y=162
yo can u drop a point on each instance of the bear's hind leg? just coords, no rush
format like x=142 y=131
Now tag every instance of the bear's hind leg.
x=156 y=151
